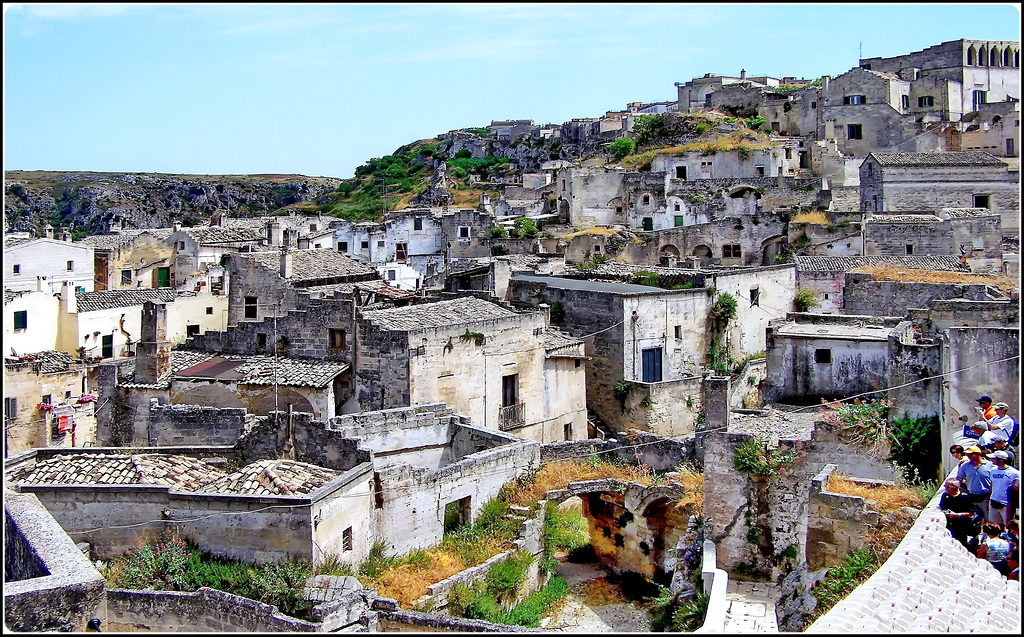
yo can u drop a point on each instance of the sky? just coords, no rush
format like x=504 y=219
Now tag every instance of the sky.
x=318 y=89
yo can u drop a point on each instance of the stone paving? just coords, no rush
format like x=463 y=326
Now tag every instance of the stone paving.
x=751 y=607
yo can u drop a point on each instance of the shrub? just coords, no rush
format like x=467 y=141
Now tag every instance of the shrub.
x=648 y=128
x=499 y=232
x=841 y=580
x=565 y=530
x=459 y=173
x=805 y=300
x=505 y=577
x=557 y=312
x=755 y=122
x=531 y=610
x=756 y=456
x=916 y=446
x=524 y=228
x=463 y=153
x=621 y=147
x=724 y=309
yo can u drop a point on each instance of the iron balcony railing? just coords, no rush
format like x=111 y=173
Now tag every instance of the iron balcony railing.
x=512 y=416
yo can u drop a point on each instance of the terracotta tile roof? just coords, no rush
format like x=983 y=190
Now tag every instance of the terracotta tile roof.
x=181 y=472
x=312 y=265
x=49 y=361
x=558 y=343
x=109 y=299
x=440 y=314
x=273 y=477
x=965 y=158
x=118 y=240
x=246 y=370
x=845 y=264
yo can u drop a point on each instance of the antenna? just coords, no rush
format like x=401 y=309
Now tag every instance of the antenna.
x=860 y=51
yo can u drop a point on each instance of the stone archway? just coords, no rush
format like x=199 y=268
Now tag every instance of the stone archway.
x=770 y=249
x=669 y=256
x=702 y=251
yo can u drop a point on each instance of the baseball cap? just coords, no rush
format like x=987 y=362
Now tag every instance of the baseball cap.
x=999 y=455
x=1000 y=406
x=984 y=399
x=989 y=437
x=972 y=449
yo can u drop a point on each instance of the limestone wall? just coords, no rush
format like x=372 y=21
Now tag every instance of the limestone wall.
x=836 y=524
x=204 y=610
x=194 y=425
x=863 y=295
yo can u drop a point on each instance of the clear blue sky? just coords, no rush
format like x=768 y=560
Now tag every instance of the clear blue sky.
x=319 y=89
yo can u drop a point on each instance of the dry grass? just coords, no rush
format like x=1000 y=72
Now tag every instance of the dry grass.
x=886 y=498
x=814 y=216
x=606 y=232
x=558 y=475
x=893 y=273
x=601 y=592
x=408 y=582
x=693 y=484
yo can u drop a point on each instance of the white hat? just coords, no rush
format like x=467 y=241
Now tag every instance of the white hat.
x=999 y=455
x=989 y=437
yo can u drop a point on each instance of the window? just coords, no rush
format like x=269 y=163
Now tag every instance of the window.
x=346 y=539
x=17 y=268
x=107 y=350
x=71 y=266
x=789 y=153
x=618 y=209
x=191 y=330
x=209 y=309
x=417 y=224
x=648 y=223
x=343 y=246
x=905 y=101
x=250 y=307
x=981 y=201
x=910 y=249
x=647 y=200
x=679 y=220
x=680 y=172
x=401 y=252
x=826 y=296
x=509 y=390
x=597 y=248
x=925 y=100
x=126 y=277
x=337 y=338
x=46 y=399
x=871 y=169
x=380 y=244
x=181 y=245
x=676 y=207
x=755 y=296
x=731 y=251
x=463 y=232
x=456 y=514
x=364 y=245
x=10 y=408
x=651 y=359
x=679 y=331
x=854 y=131
x=312 y=227
x=759 y=170
x=163 y=277
x=853 y=99
x=261 y=340
x=567 y=430
x=391 y=275
x=978 y=98
x=21 y=320
x=823 y=356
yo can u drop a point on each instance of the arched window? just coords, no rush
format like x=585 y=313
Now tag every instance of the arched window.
x=983 y=56
x=1006 y=56
x=970 y=56
x=1016 y=59
x=993 y=57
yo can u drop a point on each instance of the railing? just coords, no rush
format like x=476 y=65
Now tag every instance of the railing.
x=511 y=416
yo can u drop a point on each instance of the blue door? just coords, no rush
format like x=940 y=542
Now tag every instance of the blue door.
x=652 y=365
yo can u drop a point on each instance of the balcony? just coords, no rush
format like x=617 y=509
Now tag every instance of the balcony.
x=511 y=416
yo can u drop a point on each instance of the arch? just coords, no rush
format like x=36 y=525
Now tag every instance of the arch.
x=993 y=56
x=1006 y=57
x=212 y=395
x=702 y=251
x=1016 y=58
x=972 y=55
x=770 y=249
x=563 y=209
x=738 y=192
x=669 y=256
x=983 y=56
x=670 y=250
x=285 y=395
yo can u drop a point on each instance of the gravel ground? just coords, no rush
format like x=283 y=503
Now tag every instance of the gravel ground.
x=576 y=616
x=776 y=424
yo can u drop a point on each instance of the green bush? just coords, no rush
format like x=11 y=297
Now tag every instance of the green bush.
x=499 y=232
x=755 y=122
x=916 y=446
x=463 y=153
x=557 y=312
x=376 y=561
x=805 y=300
x=565 y=530
x=647 y=128
x=459 y=173
x=505 y=577
x=524 y=227
x=723 y=309
x=531 y=610
x=621 y=147
x=840 y=580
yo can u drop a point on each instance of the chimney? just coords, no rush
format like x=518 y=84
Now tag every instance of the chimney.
x=176 y=227
x=743 y=74
x=68 y=297
x=153 y=354
x=65 y=234
x=274 y=233
x=217 y=219
x=48 y=231
x=824 y=85
x=286 y=263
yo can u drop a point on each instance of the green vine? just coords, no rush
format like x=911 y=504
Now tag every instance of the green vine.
x=471 y=336
x=449 y=346
x=755 y=456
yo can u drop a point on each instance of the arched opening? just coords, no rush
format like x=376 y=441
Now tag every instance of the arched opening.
x=1006 y=56
x=669 y=256
x=993 y=57
x=971 y=56
x=285 y=395
x=212 y=395
x=563 y=210
x=1016 y=59
x=702 y=251
x=771 y=250
x=739 y=192
x=983 y=56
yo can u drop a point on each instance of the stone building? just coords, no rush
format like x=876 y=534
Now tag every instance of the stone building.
x=903 y=182
x=695 y=95
x=269 y=283
x=30 y=320
x=973 y=234
x=133 y=259
x=53 y=261
x=47 y=402
x=507 y=370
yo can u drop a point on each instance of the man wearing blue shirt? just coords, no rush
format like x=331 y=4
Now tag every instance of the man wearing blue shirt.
x=976 y=477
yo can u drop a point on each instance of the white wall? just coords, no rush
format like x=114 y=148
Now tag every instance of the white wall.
x=48 y=258
x=40 y=332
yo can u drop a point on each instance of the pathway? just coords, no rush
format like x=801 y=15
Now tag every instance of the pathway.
x=751 y=607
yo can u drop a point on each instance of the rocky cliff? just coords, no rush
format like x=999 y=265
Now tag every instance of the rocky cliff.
x=89 y=202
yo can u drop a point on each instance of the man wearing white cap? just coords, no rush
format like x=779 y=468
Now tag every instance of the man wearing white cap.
x=1005 y=489
x=1003 y=422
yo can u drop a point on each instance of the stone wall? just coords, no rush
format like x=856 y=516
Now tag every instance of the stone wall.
x=48 y=584
x=313 y=442
x=836 y=524
x=865 y=296
x=194 y=425
x=203 y=611
x=657 y=452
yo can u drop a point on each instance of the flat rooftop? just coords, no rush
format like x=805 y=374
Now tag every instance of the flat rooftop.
x=606 y=287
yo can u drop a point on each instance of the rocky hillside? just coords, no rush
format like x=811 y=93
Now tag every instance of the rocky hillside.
x=88 y=202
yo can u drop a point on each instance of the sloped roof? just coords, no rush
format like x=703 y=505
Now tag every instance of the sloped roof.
x=903 y=218
x=109 y=299
x=311 y=265
x=845 y=264
x=958 y=158
x=181 y=472
x=273 y=477
x=440 y=314
x=118 y=240
x=211 y=235
x=967 y=213
x=50 y=361
x=559 y=344
x=245 y=370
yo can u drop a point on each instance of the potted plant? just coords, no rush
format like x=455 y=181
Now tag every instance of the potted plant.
x=44 y=406
x=86 y=398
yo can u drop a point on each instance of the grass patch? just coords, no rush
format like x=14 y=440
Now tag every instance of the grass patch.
x=893 y=273
x=886 y=498
x=841 y=580
x=477 y=603
x=814 y=216
x=558 y=475
x=565 y=529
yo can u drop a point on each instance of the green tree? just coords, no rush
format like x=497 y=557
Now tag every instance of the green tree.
x=648 y=128
x=621 y=147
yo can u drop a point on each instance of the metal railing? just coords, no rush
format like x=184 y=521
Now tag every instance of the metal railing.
x=511 y=416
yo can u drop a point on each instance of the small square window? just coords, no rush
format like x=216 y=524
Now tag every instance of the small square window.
x=209 y=310
x=677 y=207
x=17 y=268
x=618 y=209
x=391 y=275
x=854 y=131
x=826 y=296
x=910 y=249
x=597 y=248
x=731 y=251
x=981 y=201
x=679 y=331
x=364 y=245
x=191 y=330
x=343 y=246
x=251 y=307
x=755 y=296
x=21 y=320
x=823 y=356
x=417 y=224
x=925 y=100
x=647 y=200
x=337 y=338
x=463 y=232
x=71 y=266
x=126 y=277
x=261 y=340
x=312 y=227
x=380 y=244
x=759 y=170
x=181 y=245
